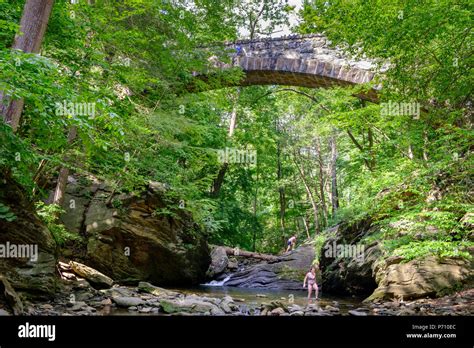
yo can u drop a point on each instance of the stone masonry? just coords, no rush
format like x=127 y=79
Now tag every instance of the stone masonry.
x=298 y=60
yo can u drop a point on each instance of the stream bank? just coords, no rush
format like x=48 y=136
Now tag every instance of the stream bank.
x=146 y=299
x=46 y=286
x=87 y=292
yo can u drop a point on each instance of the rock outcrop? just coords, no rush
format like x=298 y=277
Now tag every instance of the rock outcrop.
x=219 y=262
x=346 y=265
x=130 y=240
x=32 y=276
x=366 y=270
x=286 y=273
x=420 y=278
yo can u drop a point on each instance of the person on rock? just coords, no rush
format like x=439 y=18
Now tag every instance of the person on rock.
x=291 y=243
x=311 y=279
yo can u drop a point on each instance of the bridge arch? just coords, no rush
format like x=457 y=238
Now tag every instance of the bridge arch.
x=297 y=60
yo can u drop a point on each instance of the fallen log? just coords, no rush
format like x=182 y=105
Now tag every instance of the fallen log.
x=97 y=279
x=239 y=252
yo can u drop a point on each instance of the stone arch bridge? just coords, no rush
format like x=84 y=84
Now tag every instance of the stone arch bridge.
x=296 y=60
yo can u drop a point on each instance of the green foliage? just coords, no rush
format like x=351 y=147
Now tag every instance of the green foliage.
x=261 y=17
x=49 y=214
x=164 y=212
x=11 y=12
x=16 y=155
x=428 y=43
x=136 y=61
x=319 y=241
x=420 y=249
x=6 y=214
x=117 y=203
x=417 y=190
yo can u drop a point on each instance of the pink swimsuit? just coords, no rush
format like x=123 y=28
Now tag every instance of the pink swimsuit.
x=311 y=278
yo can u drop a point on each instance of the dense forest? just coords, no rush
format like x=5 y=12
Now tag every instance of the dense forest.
x=129 y=92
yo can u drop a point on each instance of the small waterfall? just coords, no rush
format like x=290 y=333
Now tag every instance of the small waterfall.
x=218 y=282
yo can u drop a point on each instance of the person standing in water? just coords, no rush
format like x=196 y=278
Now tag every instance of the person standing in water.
x=291 y=243
x=311 y=279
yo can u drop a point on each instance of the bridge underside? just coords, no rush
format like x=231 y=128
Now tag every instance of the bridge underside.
x=299 y=72
x=262 y=77
x=285 y=78
x=304 y=71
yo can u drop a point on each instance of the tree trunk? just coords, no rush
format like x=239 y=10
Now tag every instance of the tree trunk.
x=255 y=201
x=309 y=192
x=361 y=148
x=410 y=152
x=334 y=192
x=425 y=146
x=58 y=196
x=239 y=252
x=281 y=189
x=34 y=21
x=233 y=116
x=306 y=225
x=219 y=180
x=370 y=137
x=321 y=180
x=298 y=226
x=37 y=175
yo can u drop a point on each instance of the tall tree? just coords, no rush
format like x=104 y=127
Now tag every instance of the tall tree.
x=33 y=24
x=333 y=166
x=309 y=192
x=281 y=188
x=58 y=196
x=261 y=17
x=321 y=179
x=219 y=180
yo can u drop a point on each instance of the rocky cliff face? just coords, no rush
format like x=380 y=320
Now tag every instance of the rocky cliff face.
x=129 y=240
x=342 y=271
x=420 y=278
x=379 y=276
x=33 y=275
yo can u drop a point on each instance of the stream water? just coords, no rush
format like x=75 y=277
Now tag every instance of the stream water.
x=253 y=298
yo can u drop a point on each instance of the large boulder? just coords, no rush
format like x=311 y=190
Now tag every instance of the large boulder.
x=133 y=238
x=128 y=301
x=190 y=305
x=286 y=273
x=155 y=290
x=374 y=274
x=346 y=264
x=427 y=277
x=34 y=276
x=219 y=262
